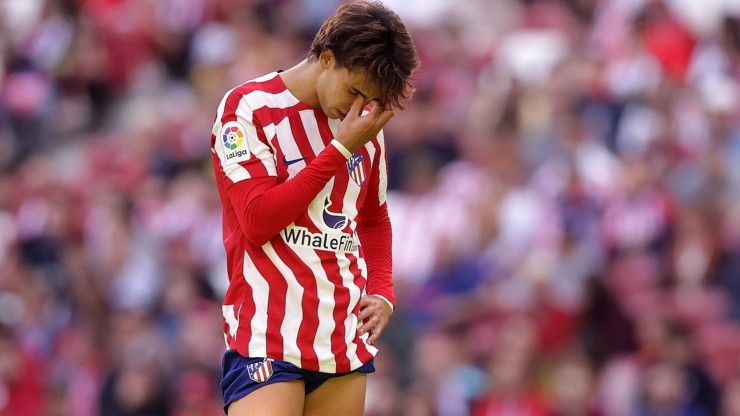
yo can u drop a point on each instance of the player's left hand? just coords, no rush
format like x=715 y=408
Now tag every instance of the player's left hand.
x=373 y=317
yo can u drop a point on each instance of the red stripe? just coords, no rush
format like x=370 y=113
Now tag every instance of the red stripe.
x=246 y=307
x=239 y=293
x=268 y=368
x=331 y=268
x=221 y=179
x=341 y=181
x=373 y=179
x=309 y=304
x=232 y=101
x=276 y=303
x=300 y=137
x=262 y=373
x=273 y=85
x=341 y=296
x=361 y=173
x=360 y=281
x=253 y=165
x=323 y=122
x=274 y=115
x=341 y=303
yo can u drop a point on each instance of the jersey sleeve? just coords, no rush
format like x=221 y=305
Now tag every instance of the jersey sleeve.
x=240 y=142
x=265 y=207
x=374 y=229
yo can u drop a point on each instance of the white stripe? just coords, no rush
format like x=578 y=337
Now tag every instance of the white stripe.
x=260 y=150
x=325 y=290
x=269 y=131
x=258 y=99
x=244 y=114
x=317 y=143
x=289 y=147
x=371 y=349
x=359 y=174
x=263 y=372
x=231 y=319
x=350 y=323
x=334 y=124
x=349 y=203
x=316 y=207
x=266 y=77
x=308 y=118
x=220 y=113
x=234 y=172
x=382 y=170
x=260 y=294
x=293 y=307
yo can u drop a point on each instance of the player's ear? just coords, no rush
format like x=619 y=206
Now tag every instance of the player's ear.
x=327 y=59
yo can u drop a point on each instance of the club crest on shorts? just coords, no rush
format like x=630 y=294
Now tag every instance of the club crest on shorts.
x=355 y=168
x=260 y=372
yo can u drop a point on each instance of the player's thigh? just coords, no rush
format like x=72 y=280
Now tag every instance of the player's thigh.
x=278 y=399
x=338 y=396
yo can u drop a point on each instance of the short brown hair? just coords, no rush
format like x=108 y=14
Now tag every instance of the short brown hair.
x=368 y=36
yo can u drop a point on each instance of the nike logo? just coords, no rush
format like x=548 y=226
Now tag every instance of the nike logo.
x=290 y=162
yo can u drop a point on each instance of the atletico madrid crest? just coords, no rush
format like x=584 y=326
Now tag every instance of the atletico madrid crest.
x=260 y=372
x=355 y=168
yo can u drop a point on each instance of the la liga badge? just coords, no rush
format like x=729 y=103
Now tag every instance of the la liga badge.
x=234 y=138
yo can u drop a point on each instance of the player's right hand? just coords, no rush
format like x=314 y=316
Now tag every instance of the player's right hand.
x=357 y=129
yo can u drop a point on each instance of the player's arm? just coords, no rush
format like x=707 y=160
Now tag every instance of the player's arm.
x=265 y=207
x=375 y=233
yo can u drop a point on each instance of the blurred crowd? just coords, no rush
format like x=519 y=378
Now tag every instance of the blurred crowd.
x=564 y=192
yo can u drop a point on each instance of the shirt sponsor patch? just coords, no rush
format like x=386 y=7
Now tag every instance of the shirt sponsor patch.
x=303 y=237
x=234 y=139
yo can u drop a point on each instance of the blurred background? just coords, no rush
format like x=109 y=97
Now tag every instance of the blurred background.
x=564 y=192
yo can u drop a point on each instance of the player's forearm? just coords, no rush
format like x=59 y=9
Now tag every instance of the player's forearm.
x=265 y=207
x=376 y=238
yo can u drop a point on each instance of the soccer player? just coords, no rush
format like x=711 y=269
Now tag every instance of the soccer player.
x=300 y=165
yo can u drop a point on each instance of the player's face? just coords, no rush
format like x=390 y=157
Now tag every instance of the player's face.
x=338 y=87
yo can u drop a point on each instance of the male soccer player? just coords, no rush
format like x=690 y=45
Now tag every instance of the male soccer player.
x=300 y=165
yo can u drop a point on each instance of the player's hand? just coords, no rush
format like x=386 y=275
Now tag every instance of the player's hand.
x=373 y=317
x=356 y=129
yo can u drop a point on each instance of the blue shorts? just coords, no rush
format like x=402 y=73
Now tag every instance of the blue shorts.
x=242 y=375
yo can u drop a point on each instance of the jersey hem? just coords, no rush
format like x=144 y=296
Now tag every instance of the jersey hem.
x=323 y=368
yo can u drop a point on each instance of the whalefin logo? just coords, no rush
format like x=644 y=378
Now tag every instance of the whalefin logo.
x=335 y=240
x=329 y=241
x=261 y=371
x=333 y=220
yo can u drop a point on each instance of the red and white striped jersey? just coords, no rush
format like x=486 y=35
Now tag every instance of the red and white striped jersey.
x=296 y=297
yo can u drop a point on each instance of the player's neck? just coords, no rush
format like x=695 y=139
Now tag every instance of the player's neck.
x=301 y=82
